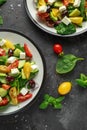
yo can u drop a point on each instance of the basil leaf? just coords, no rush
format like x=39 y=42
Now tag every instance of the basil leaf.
x=66 y=63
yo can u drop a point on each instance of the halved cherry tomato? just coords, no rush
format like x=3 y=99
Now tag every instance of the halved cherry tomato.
x=66 y=2
x=22 y=98
x=13 y=65
x=2 y=52
x=27 y=50
x=43 y=16
x=46 y=1
x=4 y=69
x=4 y=101
x=57 y=48
x=5 y=86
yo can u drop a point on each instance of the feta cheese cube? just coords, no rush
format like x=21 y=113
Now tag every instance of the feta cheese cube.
x=22 y=55
x=0 y=98
x=34 y=67
x=2 y=42
x=42 y=8
x=14 y=71
x=11 y=59
x=77 y=3
x=51 y=1
x=24 y=91
x=66 y=20
x=62 y=8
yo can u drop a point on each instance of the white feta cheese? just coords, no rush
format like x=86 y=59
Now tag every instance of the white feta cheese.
x=34 y=67
x=62 y=8
x=11 y=59
x=66 y=20
x=22 y=55
x=0 y=98
x=14 y=71
x=42 y=8
x=51 y=1
x=2 y=42
x=77 y=3
x=24 y=91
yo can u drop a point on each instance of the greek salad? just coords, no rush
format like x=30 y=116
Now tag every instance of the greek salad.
x=65 y=16
x=17 y=72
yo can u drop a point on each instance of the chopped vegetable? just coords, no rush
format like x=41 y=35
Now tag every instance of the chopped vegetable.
x=13 y=95
x=27 y=50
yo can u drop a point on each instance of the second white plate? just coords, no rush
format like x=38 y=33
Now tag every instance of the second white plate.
x=31 y=11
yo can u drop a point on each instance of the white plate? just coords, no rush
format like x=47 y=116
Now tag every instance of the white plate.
x=17 y=37
x=31 y=11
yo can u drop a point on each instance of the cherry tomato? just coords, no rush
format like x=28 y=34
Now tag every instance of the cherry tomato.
x=46 y=1
x=57 y=48
x=4 y=102
x=43 y=16
x=5 y=86
x=66 y=2
x=22 y=98
x=64 y=88
x=2 y=52
x=27 y=50
x=13 y=65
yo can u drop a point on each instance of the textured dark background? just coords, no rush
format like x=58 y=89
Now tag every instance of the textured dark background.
x=73 y=115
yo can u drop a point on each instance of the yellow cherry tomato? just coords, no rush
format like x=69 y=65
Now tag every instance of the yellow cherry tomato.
x=13 y=95
x=64 y=88
x=27 y=69
x=8 y=44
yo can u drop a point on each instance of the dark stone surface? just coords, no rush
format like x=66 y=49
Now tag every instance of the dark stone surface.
x=73 y=115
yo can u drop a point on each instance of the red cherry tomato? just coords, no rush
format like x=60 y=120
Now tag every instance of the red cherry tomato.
x=66 y=2
x=57 y=48
x=13 y=65
x=27 y=50
x=22 y=98
x=4 y=102
x=2 y=52
x=43 y=16
x=5 y=86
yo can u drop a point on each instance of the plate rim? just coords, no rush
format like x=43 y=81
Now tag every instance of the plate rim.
x=45 y=30
x=44 y=71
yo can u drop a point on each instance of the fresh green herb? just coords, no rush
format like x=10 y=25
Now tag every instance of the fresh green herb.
x=66 y=63
x=82 y=81
x=70 y=8
x=3 y=59
x=18 y=46
x=49 y=100
x=1 y=20
x=65 y=29
x=2 y=2
x=82 y=9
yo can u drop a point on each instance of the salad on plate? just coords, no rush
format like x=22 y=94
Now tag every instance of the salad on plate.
x=65 y=16
x=17 y=72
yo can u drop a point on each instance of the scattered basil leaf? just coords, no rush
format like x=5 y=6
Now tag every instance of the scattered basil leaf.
x=44 y=105
x=49 y=100
x=66 y=63
x=2 y=2
x=82 y=81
